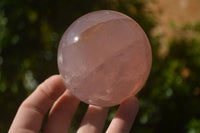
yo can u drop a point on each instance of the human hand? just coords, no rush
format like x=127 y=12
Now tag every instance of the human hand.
x=53 y=94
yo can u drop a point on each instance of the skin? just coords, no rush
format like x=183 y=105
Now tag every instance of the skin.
x=52 y=94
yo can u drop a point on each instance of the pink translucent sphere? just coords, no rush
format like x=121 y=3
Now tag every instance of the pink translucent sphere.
x=103 y=57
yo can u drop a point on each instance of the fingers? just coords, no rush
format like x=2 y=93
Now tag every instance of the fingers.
x=31 y=112
x=61 y=114
x=94 y=119
x=125 y=116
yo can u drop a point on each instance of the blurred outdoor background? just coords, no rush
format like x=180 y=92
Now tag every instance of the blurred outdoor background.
x=30 y=31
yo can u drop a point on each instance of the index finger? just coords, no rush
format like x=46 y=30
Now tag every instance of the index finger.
x=30 y=114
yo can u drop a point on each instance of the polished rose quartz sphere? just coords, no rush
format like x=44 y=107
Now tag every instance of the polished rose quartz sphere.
x=103 y=57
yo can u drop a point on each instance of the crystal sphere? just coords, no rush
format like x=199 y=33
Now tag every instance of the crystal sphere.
x=103 y=57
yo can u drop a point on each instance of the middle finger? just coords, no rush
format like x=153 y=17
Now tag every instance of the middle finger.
x=61 y=114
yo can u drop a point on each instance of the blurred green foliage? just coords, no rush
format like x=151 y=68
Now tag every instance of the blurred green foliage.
x=29 y=35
